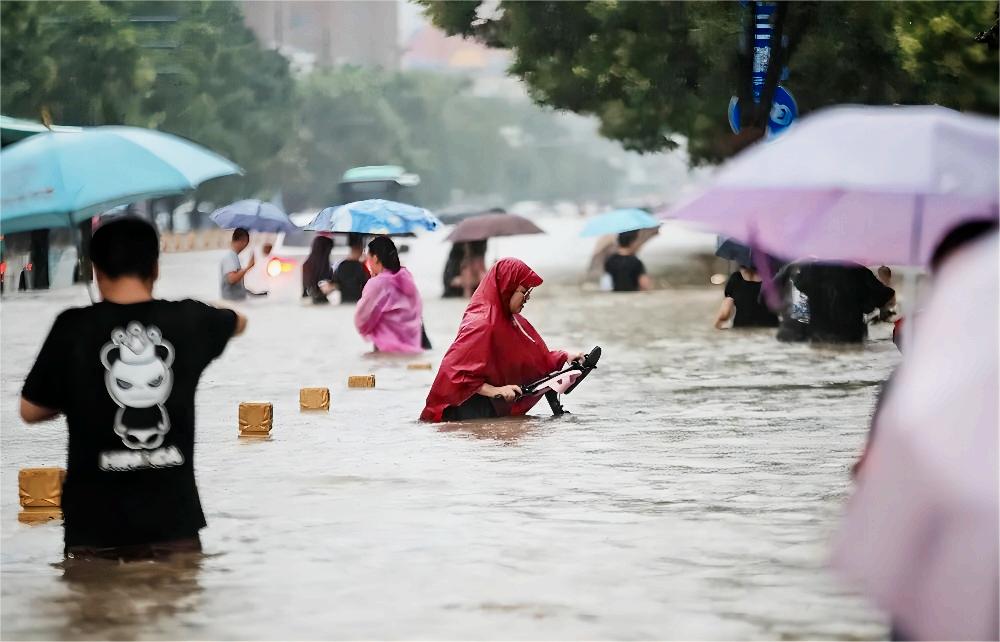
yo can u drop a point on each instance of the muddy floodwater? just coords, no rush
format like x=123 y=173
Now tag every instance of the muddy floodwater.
x=691 y=494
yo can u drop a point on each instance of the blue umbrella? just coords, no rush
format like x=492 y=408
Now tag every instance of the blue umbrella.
x=57 y=179
x=374 y=216
x=618 y=221
x=252 y=214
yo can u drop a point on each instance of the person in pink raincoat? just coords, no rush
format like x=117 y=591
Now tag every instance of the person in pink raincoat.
x=389 y=312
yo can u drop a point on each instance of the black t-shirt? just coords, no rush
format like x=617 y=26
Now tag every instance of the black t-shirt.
x=125 y=377
x=351 y=277
x=625 y=270
x=750 y=310
x=839 y=297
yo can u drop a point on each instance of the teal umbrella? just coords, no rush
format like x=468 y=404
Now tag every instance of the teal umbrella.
x=58 y=179
x=15 y=129
x=619 y=221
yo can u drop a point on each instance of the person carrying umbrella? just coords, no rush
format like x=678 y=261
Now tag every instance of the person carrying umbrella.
x=231 y=283
x=466 y=267
x=627 y=271
x=495 y=352
x=389 y=312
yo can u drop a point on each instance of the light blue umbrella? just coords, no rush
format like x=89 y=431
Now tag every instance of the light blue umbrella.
x=255 y=215
x=55 y=179
x=374 y=216
x=618 y=221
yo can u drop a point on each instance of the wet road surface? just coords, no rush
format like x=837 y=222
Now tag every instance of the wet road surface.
x=691 y=495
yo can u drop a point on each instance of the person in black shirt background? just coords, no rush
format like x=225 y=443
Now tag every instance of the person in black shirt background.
x=840 y=295
x=351 y=274
x=124 y=372
x=627 y=272
x=742 y=302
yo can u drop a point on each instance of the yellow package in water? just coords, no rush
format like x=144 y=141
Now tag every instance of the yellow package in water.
x=40 y=493
x=314 y=399
x=419 y=366
x=255 y=418
x=361 y=381
x=40 y=487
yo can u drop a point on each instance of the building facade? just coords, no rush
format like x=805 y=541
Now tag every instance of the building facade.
x=339 y=32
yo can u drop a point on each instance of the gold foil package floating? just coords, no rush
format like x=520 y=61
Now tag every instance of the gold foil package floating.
x=40 y=493
x=255 y=419
x=314 y=399
x=361 y=381
x=419 y=366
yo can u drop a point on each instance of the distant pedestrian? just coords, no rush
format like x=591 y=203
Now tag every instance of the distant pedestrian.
x=231 y=274
x=464 y=269
x=389 y=312
x=627 y=272
x=351 y=274
x=794 y=320
x=839 y=298
x=451 y=278
x=317 y=273
x=887 y=311
x=742 y=302
x=123 y=372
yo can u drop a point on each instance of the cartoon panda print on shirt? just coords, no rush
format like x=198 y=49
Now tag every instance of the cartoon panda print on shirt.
x=137 y=374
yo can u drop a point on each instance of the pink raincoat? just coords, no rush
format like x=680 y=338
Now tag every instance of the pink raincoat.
x=389 y=313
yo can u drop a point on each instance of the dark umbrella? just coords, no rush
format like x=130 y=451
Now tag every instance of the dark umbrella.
x=480 y=228
x=733 y=251
x=743 y=255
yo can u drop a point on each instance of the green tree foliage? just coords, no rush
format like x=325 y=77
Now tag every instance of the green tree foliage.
x=656 y=71
x=188 y=68
x=74 y=58
x=433 y=125
x=216 y=85
x=192 y=68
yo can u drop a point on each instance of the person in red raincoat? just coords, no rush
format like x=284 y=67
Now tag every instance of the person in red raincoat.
x=496 y=351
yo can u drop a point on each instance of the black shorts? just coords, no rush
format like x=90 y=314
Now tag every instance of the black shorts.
x=475 y=407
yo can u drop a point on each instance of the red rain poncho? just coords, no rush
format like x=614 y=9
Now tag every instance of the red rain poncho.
x=493 y=346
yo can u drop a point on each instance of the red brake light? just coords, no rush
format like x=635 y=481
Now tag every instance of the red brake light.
x=279 y=266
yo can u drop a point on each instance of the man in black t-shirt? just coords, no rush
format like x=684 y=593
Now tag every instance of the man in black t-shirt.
x=124 y=373
x=627 y=272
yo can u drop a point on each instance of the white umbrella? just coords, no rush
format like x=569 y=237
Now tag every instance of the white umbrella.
x=864 y=184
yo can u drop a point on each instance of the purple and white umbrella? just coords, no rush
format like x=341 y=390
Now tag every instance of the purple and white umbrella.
x=863 y=184
x=254 y=215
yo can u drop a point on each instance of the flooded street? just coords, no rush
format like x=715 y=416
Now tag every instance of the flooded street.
x=691 y=495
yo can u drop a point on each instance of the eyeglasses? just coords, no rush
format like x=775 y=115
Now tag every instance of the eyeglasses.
x=527 y=293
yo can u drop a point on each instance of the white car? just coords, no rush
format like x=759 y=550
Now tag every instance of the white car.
x=279 y=270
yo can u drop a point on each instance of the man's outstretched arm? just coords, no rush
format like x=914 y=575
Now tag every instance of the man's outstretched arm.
x=33 y=413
